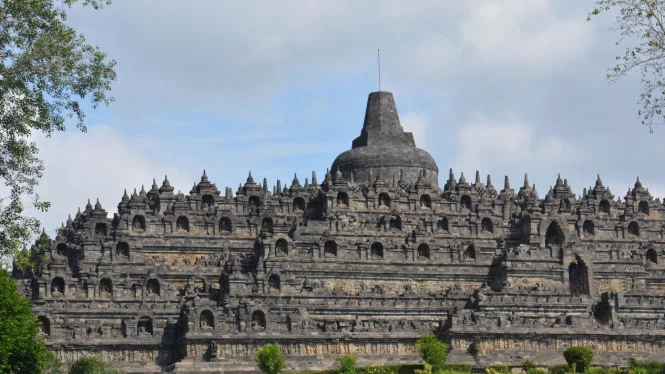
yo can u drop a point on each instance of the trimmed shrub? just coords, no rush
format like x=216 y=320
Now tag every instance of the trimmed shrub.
x=347 y=365
x=559 y=369
x=427 y=369
x=458 y=368
x=500 y=369
x=433 y=351
x=528 y=366
x=91 y=364
x=270 y=359
x=581 y=356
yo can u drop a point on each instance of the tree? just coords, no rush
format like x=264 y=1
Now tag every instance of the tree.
x=433 y=351
x=346 y=364
x=640 y=24
x=47 y=74
x=579 y=357
x=91 y=364
x=22 y=349
x=270 y=359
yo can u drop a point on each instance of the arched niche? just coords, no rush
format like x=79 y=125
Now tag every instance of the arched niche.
x=144 y=326
x=61 y=249
x=487 y=226
x=138 y=223
x=604 y=206
x=425 y=201
x=395 y=223
x=182 y=224
x=330 y=248
x=254 y=203
x=207 y=201
x=423 y=252
x=44 y=325
x=651 y=256
x=152 y=287
x=564 y=205
x=100 y=229
x=58 y=286
x=634 y=229
x=588 y=228
x=470 y=252
x=376 y=250
x=554 y=234
x=578 y=277
x=122 y=250
x=442 y=224
x=274 y=283
x=282 y=247
x=342 y=199
x=466 y=203
x=266 y=225
x=259 y=320
x=206 y=320
x=225 y=225
x=105 y=288
x=299 y=205
x=643 y=207
x=384 y=200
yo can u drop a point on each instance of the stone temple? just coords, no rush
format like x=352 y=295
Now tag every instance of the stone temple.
x=364 y=261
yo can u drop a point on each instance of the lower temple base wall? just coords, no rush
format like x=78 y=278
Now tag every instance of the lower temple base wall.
x=480 y=351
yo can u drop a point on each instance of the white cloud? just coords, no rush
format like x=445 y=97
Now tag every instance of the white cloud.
x=524 y=34
x=98 y=164
x=510 y=146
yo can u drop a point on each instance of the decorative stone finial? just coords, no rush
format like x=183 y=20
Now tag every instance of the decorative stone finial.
x=279 y=186
x=477 y=181
x=526 y=180
x=314 y=181
x=98 y=206
x=265 y=184
x=125 y=197
x=88 y=206
x=638 y=184
x=462 y=180
x=506 y=183
x=204 y=177
x=599 y=182
x=489 y=181
x=250 y=179
x=296 y=182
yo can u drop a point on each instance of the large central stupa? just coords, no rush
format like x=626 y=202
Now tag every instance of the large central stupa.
x=384 y=150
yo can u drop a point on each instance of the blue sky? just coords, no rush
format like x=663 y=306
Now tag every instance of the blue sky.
x=280 y=88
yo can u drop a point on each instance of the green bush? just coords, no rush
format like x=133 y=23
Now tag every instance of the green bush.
x=581 y=356
x=456 y=368
x=646 y=367
x=375 y=369
x=500 y=369
x=433 y=351
x=90 y=364
x=528 y=366
x=559 y=369
x=347 y=365
x=427 y=369
x=270 y=359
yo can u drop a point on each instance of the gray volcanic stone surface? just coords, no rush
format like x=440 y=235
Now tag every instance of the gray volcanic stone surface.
x=364 y=262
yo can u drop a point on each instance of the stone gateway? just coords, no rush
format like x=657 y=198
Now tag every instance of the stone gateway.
x=364 y=262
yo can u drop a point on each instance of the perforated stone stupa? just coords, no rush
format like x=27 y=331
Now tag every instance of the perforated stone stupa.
x=363 y=262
